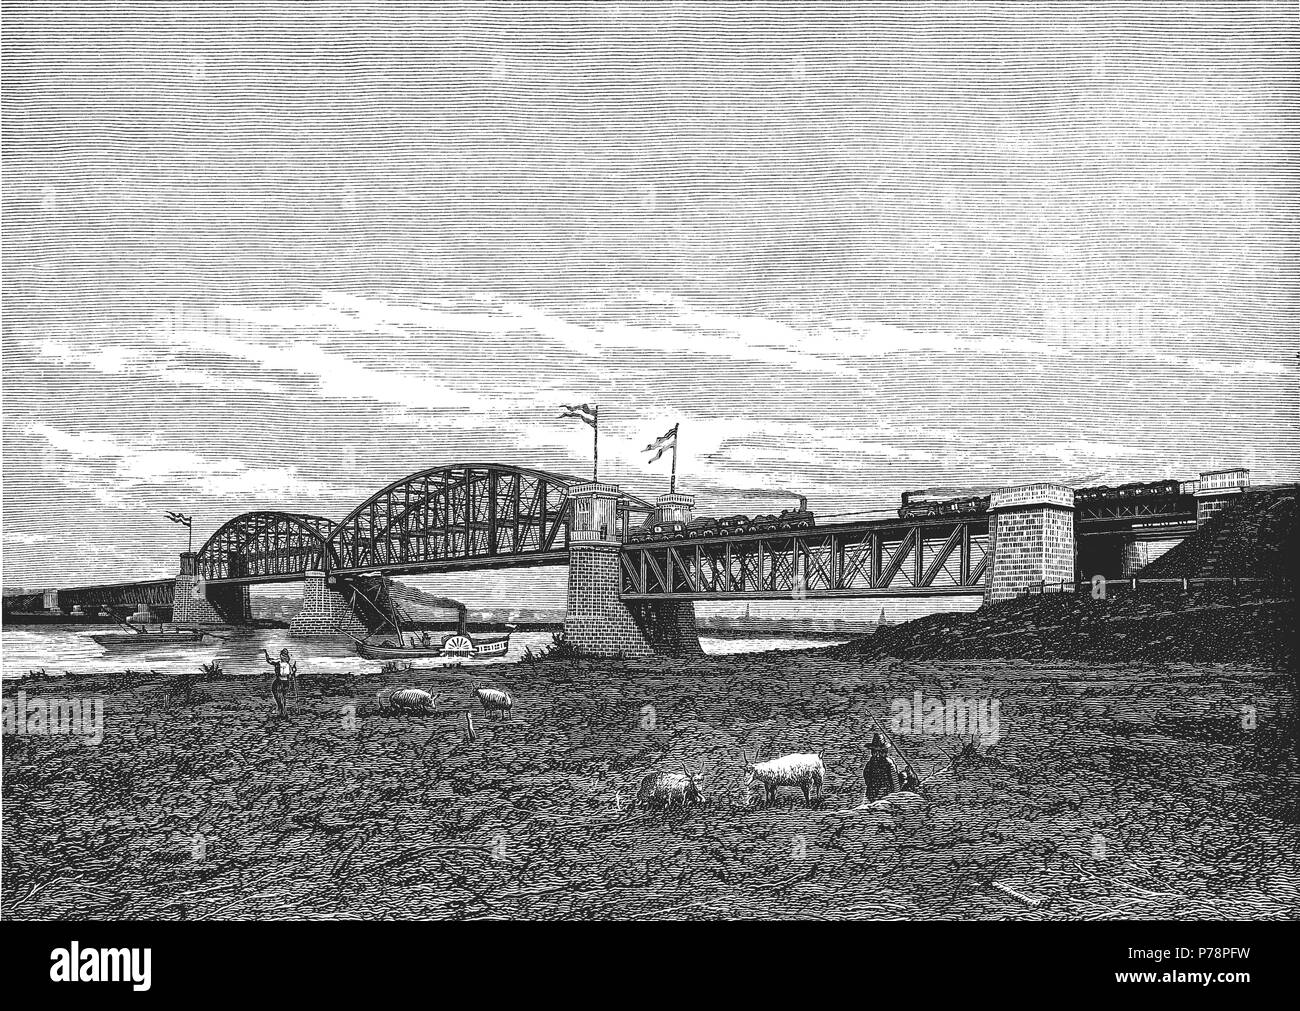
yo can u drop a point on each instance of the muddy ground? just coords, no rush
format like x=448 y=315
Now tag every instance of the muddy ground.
x=1134 y=791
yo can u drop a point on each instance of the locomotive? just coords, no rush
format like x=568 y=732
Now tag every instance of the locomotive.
x=707 y=526
x=913 y=507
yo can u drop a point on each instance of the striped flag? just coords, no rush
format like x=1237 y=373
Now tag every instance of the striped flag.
x=183 y=520
x=583 y=412
x=662 y=444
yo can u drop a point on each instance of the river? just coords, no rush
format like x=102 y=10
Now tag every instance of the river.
x=57 y=649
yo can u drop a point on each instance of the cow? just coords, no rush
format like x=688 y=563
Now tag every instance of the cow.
x=495 y=703
x=667 y=788
x=804 y=771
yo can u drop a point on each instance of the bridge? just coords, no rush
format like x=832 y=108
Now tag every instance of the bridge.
x=929 y=557
x=638 y=596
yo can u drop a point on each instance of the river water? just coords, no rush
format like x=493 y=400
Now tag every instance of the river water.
x=61 y=648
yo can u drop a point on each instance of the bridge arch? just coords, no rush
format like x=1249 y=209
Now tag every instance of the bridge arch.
x=267 y=544
x=457 y=512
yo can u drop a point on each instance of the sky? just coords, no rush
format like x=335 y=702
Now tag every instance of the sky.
x=270 y=258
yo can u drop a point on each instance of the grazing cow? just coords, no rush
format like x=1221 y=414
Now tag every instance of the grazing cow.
x=804 y=771
x=495 y=703
x=406 y=700
x=665 y=788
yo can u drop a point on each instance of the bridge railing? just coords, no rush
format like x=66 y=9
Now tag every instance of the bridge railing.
x=1137 y=583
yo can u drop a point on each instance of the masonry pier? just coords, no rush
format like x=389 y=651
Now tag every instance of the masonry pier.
x=195 y=601
x=597 y=620
x=1031 y=539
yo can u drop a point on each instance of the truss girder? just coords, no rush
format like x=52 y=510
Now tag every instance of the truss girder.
x=925 y=558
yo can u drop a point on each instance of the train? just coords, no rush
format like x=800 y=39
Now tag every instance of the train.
x=914 y=506
x=653 y=529
x=1135 y=490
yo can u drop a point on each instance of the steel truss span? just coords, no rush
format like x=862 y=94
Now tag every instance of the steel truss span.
x=458 y=517
x=932 y=558
x=267 y=545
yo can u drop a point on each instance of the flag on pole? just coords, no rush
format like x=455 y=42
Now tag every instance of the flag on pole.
x=582 y=412
x=587 y=413
x=662 y=444
x=187 y=522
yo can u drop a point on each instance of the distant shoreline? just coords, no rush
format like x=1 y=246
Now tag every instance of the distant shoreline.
x=773 y=631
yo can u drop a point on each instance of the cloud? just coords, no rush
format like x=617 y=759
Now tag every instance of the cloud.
x=80 y=444
x=1082 y=451
x=146 y=360
x=415 y=380
x=1246 y=367
x=341 y=314
x=130 y=467
x=22 y=537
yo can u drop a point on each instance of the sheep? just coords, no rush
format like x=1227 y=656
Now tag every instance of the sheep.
x=407 y=700
x=804 y=771
x=666 y=787
x=495 y=703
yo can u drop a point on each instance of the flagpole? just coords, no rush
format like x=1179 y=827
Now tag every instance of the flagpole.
x=672 y=478
x=595 y=448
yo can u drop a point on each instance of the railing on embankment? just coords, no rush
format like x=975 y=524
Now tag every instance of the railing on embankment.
x=1138 y=583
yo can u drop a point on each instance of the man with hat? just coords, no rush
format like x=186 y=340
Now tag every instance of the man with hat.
x=881 y=774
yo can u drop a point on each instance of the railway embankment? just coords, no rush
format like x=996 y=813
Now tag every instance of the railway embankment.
x=1244 y=612
x=1156 y=624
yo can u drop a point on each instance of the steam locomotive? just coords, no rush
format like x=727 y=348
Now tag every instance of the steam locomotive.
x=914 y=507
x=707 y=526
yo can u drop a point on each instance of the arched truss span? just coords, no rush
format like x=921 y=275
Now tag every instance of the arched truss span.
x=267 y=544
x=454 y=513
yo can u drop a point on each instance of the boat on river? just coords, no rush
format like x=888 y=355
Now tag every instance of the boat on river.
x=138 y=640
x=460 y=644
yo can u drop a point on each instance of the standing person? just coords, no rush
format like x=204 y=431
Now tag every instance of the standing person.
x=881 y=774
x=283 y=681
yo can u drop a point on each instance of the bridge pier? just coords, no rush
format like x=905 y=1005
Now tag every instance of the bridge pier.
x=1031 y=539
x=325 y=611
x=597 y=620
x=196 y=602
x=1216 y=490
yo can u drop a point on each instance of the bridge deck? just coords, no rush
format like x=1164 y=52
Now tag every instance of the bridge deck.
x=932 y=556
x=923 y=556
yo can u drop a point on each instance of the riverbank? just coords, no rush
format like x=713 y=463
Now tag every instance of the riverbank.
x=1113 y=791
x=1153 y=625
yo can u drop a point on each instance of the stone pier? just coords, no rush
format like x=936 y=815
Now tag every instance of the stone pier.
x=1217 y=489
x=597 y=620
x=1031 y=539
x=195 y=601
x=325 y=610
